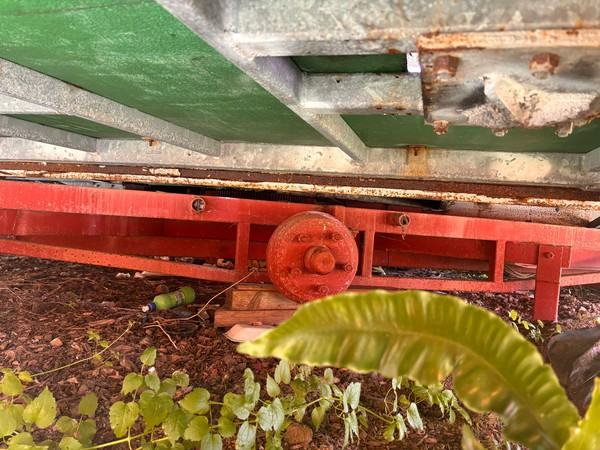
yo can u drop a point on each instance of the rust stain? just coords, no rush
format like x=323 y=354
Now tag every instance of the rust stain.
x=573 y=32
x=394 y=51
x=151 y=142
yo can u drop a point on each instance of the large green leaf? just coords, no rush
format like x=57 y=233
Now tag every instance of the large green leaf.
x=427 y=336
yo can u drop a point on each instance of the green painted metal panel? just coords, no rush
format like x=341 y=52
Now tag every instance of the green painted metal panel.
x=136 y=53
x=77 y=125
x=352 y=63
x=400 y=131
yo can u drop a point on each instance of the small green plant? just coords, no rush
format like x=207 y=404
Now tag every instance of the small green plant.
x=166 y=413
x=532 y=331
x=426 y=337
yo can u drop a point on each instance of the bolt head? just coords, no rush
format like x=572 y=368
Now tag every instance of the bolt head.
x=549 y=255
x=445 y=66
x=336 y=237
x=348 y=268
x=304 y=238
x=563 y=129
x=440 y=127
x=543 y=65
x=323 y=290
x=296 y=272
x=198 y=204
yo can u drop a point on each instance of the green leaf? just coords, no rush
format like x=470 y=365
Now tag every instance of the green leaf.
x=8 y=424
x=389 y=432
x=227 y=428
x=413 y=417
x=352 y=395
x=11 y=385
x=123 y=416
x=131 y=382
x=26 y=377
x=316 y=417
x=401 y=425
x=353 y=423
x=211 y=442
x=168 y=386
x=197 y=401
x=154 y=408
x=513 y=314
x=41 y=410
x=16 y=412
x=328 y=375
x=180 y=378
x=88 y=405
x=86 y=431
x=152 y=381
x=149 y=356
x=246 y=438
x=272 y=387
x=271 y=417
x=237 y=404
x=587 y=435
x=69 y=443
x=425 y=336
x=282 y=373
x=469 y=441
x=300 y=387
x=66 y=425
x=197 y=429
x=175 y=424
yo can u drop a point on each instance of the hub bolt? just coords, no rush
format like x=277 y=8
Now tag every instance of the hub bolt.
x=296 y=272
x=304 y=238
x=323 y=290
x=336 y=237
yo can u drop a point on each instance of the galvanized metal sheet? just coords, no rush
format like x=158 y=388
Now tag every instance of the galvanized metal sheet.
x=502 y=80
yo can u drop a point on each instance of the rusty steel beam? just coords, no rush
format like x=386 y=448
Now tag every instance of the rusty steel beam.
x=365 y=185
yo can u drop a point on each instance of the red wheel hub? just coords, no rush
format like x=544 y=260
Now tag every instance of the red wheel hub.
x=311 y=255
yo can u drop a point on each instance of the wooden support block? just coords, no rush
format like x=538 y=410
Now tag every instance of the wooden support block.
x=256 y=297
x=229 y=318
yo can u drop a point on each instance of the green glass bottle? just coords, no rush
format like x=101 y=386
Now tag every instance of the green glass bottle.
x=183 y=296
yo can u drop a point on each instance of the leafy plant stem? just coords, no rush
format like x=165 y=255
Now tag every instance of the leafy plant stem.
x=95 y=355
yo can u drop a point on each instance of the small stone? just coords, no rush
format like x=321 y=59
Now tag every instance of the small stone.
x=430 y=440
x=583 y=309
x=56 y=342
x=298 y=434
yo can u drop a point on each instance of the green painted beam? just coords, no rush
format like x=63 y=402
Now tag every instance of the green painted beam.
x=400 y=131
x=136 y=53
x=352 y=63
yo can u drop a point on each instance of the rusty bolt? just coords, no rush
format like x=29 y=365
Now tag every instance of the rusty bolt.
x=348 y=267
x=549 y=255
x=198 y=205
x=296 y=272
x=543 y=65
x=403 y=220
x=563 y=129
x=304 y=238
x=440 y=126
x=323 y=290
x=445 y=66
x=336 y=237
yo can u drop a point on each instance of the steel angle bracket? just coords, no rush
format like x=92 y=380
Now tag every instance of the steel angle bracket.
x=502 y=80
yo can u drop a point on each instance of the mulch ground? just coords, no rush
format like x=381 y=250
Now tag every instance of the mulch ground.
x=47 y=309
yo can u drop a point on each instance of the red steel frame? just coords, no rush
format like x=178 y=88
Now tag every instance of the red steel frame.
x=120 y=228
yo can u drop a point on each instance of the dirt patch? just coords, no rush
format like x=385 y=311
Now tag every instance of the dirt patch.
x=47 y=310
